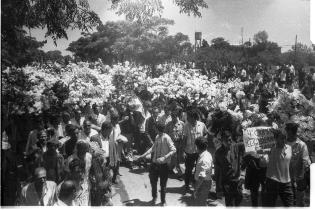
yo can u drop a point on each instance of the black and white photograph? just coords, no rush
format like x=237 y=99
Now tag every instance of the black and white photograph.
x=166 y=103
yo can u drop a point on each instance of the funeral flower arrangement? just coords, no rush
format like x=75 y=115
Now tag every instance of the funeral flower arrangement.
x=40 y=87
x=294 y=107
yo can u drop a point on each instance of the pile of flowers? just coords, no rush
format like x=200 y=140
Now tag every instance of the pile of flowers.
x=190 y=83
x=87 y=84
x=294 y=107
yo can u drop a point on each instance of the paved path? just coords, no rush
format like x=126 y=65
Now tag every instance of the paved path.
x=133 y=189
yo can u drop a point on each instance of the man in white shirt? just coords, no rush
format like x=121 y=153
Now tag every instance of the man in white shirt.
x=161 y=153
x=40 y=192
x=203 y=172
x=100 y=118
x=87 y=131
x=192 y=130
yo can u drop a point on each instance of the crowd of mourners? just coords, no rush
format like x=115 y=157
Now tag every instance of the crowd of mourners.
x=73 y=158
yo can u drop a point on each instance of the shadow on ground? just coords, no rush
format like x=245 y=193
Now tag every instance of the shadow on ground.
x=137 y=202
x=138 y=170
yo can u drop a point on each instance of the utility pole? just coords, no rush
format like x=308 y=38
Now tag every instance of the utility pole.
x=295 y=49
x=242 y=34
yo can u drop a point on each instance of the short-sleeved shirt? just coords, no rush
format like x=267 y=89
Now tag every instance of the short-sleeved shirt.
x=300 y=159
x=204 y=166
x=278 y=167
x=192 y=133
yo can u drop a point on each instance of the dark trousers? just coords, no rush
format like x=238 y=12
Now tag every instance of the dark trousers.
x=190 y=163
x=298 y=188
x=273 y=189
x=233 y=193
x=254 y=192
x=156 y=171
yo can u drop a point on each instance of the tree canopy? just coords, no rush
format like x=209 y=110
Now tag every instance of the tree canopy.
x=143 y=43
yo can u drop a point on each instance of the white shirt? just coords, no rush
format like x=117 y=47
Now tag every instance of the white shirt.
x=204 y=166
x=100 y=118
x=105 y=145
x=29 y=196
x=146 y=116
x=86 y=138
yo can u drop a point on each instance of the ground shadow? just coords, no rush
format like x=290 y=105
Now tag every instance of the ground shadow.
x=187 y=199
x=138 y=170
x=137 y=202
x=176 y=190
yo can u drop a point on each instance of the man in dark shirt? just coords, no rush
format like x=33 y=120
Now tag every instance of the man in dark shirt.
x=228 y=164
x=73 y=132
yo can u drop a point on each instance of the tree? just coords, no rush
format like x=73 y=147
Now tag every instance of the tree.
x=261 y=37
x=300 y=55
x=219 y=43
x=143 y=43
x=143 y=10
x=24 y=51
x=54 y=16
x=204 y=43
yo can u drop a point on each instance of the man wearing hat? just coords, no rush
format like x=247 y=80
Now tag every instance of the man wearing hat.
x=299 y=165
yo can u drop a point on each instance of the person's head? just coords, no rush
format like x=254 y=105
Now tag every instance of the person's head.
x=227 y=138
x=175 y=114
x=67 y=190
x=192 y=116
x=147 y=104
x=52 y=145
x=96 y=109
x=66 y=117
x=202 y=144
x=106 y=129
x=82 y=148
x=40 y=177
x=76 y=167
x=42 y=136
x=279 y=138
x=87 y=124
x=155 y=112
x=114 y=117
x=291 y=131
x=167 y=110
x=160 y=127
x=72 y=131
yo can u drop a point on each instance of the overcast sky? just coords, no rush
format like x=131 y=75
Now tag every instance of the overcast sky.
x=282 y=19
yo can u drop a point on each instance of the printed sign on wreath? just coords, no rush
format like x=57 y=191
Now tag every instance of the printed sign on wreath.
x=258 y=138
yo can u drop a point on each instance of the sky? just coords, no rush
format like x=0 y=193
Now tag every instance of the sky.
x=281 y=19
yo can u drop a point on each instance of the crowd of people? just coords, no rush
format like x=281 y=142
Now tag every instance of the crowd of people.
x=73 y=157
